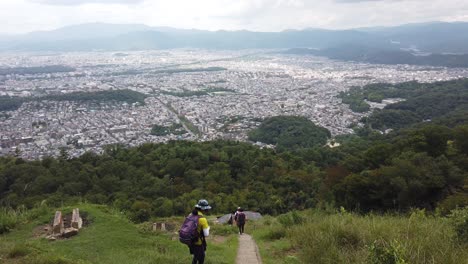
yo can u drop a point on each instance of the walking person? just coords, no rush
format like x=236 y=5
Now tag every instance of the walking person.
x=240 y=218
x=194 y=230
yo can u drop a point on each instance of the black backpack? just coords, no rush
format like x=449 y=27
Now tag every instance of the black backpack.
x=241 y=218
x=188 y=233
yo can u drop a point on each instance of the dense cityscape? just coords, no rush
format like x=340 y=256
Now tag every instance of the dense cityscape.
x=211 y=94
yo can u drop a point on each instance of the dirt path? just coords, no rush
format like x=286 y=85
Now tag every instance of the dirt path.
x=248 y=251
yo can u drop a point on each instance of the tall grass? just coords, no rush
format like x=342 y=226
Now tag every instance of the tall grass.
x=11 y=218
x=270 y=235
x=349 y=238
x=345 y=237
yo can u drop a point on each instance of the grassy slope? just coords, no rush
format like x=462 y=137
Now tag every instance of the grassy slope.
x=111 y=238
x=271 y=239
x=291 y=238
x=349 y=238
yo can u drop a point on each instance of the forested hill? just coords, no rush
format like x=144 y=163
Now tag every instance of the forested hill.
x=379 y=55
x=290 y=132
x=443 y=103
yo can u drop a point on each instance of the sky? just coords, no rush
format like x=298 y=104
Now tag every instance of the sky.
x=21 y=16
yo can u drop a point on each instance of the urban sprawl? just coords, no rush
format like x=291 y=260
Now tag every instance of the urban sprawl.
x=236 y=91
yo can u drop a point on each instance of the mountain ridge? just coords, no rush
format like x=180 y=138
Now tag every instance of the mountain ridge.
x=433 y=37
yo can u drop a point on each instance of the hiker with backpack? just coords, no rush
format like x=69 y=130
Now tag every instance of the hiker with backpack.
x=194 y=230
x=240 y=218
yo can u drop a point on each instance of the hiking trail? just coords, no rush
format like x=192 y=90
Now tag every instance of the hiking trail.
x=248 y=251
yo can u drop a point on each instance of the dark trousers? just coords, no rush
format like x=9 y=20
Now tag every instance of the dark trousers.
x=198 y=254
x=241 y=228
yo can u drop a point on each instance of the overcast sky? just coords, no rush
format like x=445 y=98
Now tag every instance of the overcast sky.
x=20 y=16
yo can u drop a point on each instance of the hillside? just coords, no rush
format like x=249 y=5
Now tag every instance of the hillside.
x=290 y=132
x=327 y=236
x=109 y=238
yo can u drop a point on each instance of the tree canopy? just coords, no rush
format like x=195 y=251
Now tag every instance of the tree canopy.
x=290 y=132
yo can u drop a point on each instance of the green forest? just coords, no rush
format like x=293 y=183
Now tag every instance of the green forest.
x=443 y=103
x=290 y=133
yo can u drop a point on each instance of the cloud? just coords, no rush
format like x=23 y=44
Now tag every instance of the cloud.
x=357 y=1
x=82 y=2
x=19 y=16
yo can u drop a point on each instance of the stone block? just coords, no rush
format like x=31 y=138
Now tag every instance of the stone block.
x=69 y=232
x=159 y=226
x=51 y=238
x=76 y=220
x=57 y=228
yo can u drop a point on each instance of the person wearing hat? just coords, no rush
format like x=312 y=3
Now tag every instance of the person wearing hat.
x=199 y=247
x=240 y=218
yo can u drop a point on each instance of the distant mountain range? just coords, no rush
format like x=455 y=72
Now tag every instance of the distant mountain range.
x=384 y=56
x=415 y=39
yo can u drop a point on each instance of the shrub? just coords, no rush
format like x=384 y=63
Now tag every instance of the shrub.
x=452 y=202
x=145 y=228
x=8 y=220
x=290 y=219
x=140 y=216
x=267 y=220
x=382 y=252
x=417 y=214
x=275 y=233
x=140 y=212
x=459 y=219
